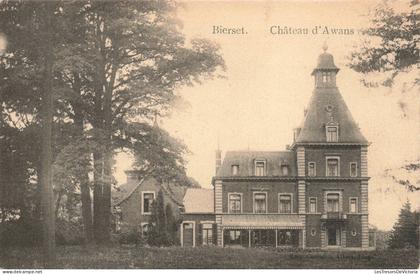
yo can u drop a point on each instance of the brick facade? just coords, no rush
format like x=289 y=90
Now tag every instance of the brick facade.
x=322 y=179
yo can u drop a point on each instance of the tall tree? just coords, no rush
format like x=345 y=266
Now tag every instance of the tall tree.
x=47 y=196
x=29 y=29
x=116 y=66
x=390 y=50
x=405 y=231
x=140 y=58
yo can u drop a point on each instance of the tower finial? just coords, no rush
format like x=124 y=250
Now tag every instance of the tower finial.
x=325 y=46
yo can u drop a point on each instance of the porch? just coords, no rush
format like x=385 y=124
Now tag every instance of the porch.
x=262 y=231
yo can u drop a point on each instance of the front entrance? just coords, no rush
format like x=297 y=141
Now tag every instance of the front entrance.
x=188 y=234
x=334 y=235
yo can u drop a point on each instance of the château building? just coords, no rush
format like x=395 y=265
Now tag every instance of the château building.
x=313 y=195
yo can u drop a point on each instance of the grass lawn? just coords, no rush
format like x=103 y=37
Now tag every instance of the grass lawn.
x=177 y=257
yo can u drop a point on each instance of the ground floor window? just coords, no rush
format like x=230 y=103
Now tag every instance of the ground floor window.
x=287 y=237
x=263 y=237
x=233 y=237
x=207 y=234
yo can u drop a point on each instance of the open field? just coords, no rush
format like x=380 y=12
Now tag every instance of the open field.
x=177 y=257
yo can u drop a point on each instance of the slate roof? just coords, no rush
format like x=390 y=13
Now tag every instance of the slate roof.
x=199 y=200
x=327 y=105
x=245 y=160
x=325 y=62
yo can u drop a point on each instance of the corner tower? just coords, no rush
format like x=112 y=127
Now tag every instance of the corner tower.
x=331 y=157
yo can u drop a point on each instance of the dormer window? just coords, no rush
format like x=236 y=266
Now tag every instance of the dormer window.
x=284 y=170
x=235 y=169
x=260 y=167
x=332 y=133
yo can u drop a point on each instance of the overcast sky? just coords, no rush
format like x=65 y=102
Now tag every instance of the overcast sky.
x=268 y=85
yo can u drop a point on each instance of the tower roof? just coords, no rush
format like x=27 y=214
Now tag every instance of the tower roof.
x=325 y=62
x=326 y=107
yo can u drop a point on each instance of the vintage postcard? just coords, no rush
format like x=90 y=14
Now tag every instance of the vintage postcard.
x=207 y=134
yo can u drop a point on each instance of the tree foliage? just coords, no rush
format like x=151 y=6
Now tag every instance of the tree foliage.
x=391 y=42
x=391 y=49
x=116 y=66
x=405 y=232
x=162 y=225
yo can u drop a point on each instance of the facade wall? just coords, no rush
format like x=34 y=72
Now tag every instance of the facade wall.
x=347 y=155
x=313 y=223
x=131 y=208
x=348 y=189
x=248 y=188
x=353 y=223
x=199 y=219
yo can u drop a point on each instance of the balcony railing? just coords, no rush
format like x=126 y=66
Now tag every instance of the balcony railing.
x=334 y=216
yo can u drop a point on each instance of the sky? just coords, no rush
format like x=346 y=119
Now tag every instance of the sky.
x=268 y=85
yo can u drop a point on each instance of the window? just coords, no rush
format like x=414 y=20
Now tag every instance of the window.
x=332 y=133
x=147 y=198
x=312 y=205
x=285 y=203
x=235 y=203
x=353 y=169
x=207 y=234
x=235 y=169
x=313 y=232
x=260 y=202
x=333 y=202
x=259 y=168
x=284 y=170
x=333 y=167
x=311 y=169
x=353 y=205
x=287 y=237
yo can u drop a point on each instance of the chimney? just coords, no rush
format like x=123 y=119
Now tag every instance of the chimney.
x=218 y=159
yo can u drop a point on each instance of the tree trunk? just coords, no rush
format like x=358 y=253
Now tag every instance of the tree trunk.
x=84 y=184
x=98 y=193
x=47 y=196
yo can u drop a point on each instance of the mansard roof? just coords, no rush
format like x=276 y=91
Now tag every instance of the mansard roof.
x=246 y=159
x=328 y=106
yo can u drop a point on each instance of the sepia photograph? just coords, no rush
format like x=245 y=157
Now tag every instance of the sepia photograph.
x=204 y=134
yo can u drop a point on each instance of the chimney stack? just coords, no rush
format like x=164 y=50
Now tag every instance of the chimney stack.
x=218 y=159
